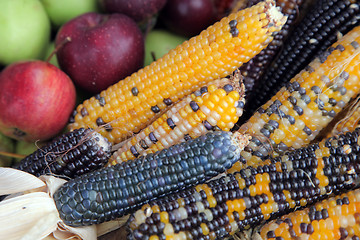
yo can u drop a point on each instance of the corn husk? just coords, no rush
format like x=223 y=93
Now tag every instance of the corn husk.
x=29 y=211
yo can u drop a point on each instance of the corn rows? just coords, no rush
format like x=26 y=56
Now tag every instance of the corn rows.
x=253 y=70
x=69 y=155
x=219 y=208
x=296 y=114
x=131 y=104
x=114 y=191
x=215 y=106
x=334 y=218
x=349 y=121
x=319 y=28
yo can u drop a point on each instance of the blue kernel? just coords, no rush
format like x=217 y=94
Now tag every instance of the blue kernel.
x=161 y=181
x=155 y=182
x=153 y=164
x=216 y=152
x=140 y=177
x=86 y=203
x=66 y=209
x=149 y=194
x=203 y=160
x=184 y=165
x=122 y=183
x=77 y=215
x=84 y=194
x=217 y=143
x=196 y=160
x=125 y=193
x=149 y=185
x=167 y=179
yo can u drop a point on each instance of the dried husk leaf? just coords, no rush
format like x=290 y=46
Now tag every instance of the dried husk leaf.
x=30 y=211
x=29 y=216
x=15 y=181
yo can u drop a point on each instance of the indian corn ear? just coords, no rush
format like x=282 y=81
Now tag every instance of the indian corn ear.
x=114 y=191
x=296 y=114
x=235 y=202
x=69 y=155
x=334 y=218
x=320 y=27
x=216 y=106
x=131 y=104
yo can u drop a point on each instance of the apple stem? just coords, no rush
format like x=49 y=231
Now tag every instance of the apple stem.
x=14 y=155
x=66 y=40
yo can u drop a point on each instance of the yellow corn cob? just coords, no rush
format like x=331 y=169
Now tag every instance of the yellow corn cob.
x=296 y=114
x=131 y=104
x=216 y=106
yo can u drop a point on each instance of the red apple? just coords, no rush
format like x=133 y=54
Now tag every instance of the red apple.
x=99 y=50
x=139 y=10
x=188 y=17
x=36 y=100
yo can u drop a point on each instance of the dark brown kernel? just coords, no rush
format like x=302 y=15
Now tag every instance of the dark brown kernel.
x=135 y=91
x=134 y=151
x=194 y=106
x=234 y=32
x=171 y=123
x=102 y=101
x=167 y=101
x=143 y=144
x=233 y=23
x=84 y=112
x=340 y=47
x=100 y=121
x=309 y=69
x=187 y=137
x=152 y=137
x=354 y=44
x=155 y=109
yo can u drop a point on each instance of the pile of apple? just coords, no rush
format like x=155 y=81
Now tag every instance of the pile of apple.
x=54 y=54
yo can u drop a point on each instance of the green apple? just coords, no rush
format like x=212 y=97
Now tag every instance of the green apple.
x=6 y=145
x=24 y=30
x=61 y=11
x=27 y=148
x=160 y=42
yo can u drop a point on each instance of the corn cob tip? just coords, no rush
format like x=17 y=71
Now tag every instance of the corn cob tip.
x=241 y=140
x=276 y=18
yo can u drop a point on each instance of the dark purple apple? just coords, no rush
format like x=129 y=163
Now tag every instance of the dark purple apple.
x=139 y=10
x=36 y=100
x=98 y=50
x=188 y=17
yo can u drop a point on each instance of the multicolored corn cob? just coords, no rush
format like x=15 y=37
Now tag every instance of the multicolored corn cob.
x=349 y=121
x=130 y=105
x=219 y=208
x=215 y=106
x=296 y=114
x=69 y=155
x=335 y=218
x=253 y=70
x=319 y=28
x=114 y=191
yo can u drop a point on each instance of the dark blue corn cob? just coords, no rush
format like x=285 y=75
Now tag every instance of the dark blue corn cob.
x=114 y=191
x=253 y=70
x=69 y=155
x=319 y=28
x=221 y=207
